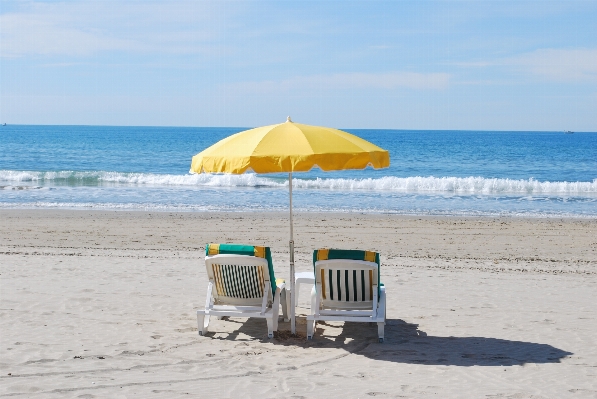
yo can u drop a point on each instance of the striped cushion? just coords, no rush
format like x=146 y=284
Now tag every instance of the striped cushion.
x=249 y=250
x=238 y=281
x=347 y=285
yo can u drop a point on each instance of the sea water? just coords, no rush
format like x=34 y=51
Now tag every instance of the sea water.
x=461 y=173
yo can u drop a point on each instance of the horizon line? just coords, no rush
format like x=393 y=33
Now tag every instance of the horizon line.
x=344 y=128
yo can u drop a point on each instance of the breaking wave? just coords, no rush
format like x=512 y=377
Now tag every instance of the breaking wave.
x=460 y=185
x=416 y=184
x=101 y=177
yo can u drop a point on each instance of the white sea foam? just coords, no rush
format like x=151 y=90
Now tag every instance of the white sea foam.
x=415 y=184
x=98 y=177
x=462 y=185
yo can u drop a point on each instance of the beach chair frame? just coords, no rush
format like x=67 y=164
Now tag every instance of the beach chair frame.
x=250 y=273
x=363 y=305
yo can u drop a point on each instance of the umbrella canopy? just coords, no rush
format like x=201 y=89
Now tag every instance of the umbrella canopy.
x=289 y=147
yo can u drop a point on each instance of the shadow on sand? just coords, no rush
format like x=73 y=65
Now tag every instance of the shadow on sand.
x=405 y=343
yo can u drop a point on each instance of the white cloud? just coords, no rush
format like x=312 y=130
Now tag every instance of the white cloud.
x=83 y=28
x=387 y=81
x=29 y=34
x=578 y=65
x=559 y=65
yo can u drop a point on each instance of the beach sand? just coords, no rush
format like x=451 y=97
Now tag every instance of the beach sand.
x=102 y=304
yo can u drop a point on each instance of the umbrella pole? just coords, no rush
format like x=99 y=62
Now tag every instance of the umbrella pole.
x=291 y=244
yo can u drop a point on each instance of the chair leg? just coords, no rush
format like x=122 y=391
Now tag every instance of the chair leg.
x=288 y=304
x=276 y=310
x=285 y=309
x=311 y=323
x=270 y=327
x=313 y=300
x=202 y=322
x=380 y=330
x=310 y=329
x=382 y=310
x=275 y=321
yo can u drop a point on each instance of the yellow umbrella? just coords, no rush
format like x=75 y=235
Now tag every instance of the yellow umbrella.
x=289 y=147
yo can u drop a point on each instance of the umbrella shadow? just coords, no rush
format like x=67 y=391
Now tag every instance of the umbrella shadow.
x=405 y=343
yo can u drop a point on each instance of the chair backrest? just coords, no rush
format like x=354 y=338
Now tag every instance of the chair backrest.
x=239 y=273
x=346 y=277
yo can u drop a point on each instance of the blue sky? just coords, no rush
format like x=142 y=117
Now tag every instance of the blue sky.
x=347 y=64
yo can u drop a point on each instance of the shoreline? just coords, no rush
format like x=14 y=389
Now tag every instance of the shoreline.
x=568 y=216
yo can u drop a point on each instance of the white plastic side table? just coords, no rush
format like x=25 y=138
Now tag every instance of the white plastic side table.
x=299 y=278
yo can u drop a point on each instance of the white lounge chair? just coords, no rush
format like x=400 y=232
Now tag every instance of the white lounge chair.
x=242 y=284
x=347 y=288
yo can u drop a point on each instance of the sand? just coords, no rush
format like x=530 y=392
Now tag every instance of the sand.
x=102 y=304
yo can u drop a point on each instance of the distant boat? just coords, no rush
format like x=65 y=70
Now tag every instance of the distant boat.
x=4 y=124
x=568 y=132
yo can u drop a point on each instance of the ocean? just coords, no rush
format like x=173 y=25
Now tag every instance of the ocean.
x=456 y=173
